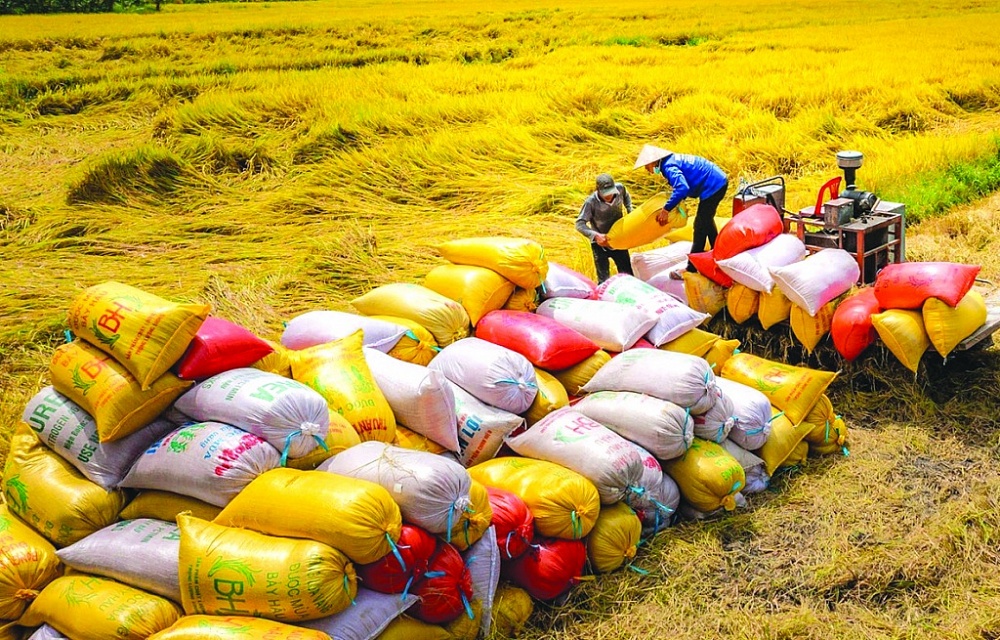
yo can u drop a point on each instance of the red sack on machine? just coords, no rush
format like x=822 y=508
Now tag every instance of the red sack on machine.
x=550 y=568
x=220 y=346
x=543 y=341
x=445 y=590
x=414 y=548
x=753 y=227
x=851 y=328
x=705 y=264
x=908 y=285
x=515 y=526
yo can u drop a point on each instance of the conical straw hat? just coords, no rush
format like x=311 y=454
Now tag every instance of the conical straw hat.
x=649 y=154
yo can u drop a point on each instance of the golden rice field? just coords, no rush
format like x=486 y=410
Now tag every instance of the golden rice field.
x=271 y=158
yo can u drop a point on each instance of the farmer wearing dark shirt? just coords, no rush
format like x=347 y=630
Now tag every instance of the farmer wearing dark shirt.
x=599 y=212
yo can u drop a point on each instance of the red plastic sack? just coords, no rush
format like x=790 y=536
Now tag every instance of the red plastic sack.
x=705 y=264
x=546 y=343
x=446 y=589
x=908 y=285
x=415 y=548
x=515 y=526
x=220 y=346
x=642 y=343
x=753 y=227
x=852 y=329
x=550 y=568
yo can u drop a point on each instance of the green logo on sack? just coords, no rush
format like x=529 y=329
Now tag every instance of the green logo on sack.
x=361 y=382
x=236 y=565
x=17 y=494
x=73 y=598
x=218 y=630
x=80 y=383
x=179 y=443
x=104 y=338
x=561 y=436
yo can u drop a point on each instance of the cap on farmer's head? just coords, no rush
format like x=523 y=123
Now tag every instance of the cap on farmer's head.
x=649 y=154
x=606 y=185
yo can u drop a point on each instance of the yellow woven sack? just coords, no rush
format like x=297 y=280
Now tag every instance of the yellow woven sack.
x=614 y=538
x=235 y=628
x=947 y=326
x=443 y=317
x=809 y=330
x=742 y=302
x=522 y=300
x=11 y=631
x=164 y=505
x=355 y=516
x=687 y=231
x=551 y=396
x=477 y=289
x=703 y=294
x=640 y=226
x=85 y=607
x=797 y=457
x=51 y=495
x=695 y=342
x=512 y=608
x=465 y=627
x=904 y=334
x=407 y=628
x=227 y=571
x=415 y=441
x=564 y=503
x=774 y=307
x=720 y=353
x=837 y=440
x=575 y=377
x=792 y=389
x=782 y=441
x=339 y=372
x=474 y=522
x=28 y=562
x=276 y=362
x=341 y=436
x=521 y=261
x=144 y=332
x=108 y=392
x=707 y=475
x=417 y=345
x=822 y=417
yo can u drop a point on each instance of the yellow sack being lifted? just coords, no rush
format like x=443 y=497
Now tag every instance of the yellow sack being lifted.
x=563 y=502
x=742 y=302
x=521 y=261
x=904 y=334
x=164 y=505
x=512 y=607
x=355 y=516
x=28 y=562
x=703 y=294
x=85 y=607
x=108 y=392
x=575 y=377
x=695 y=342
x=341 y=436
x=792 y=389
x=614 y=539
x=443 y=317
x=477 y=289
x=474 y=522
x=235 y=628
x=522 y=300
x=809 y=330
x=51 y=495
x=774 y=307
x=640 y=226
x=947 y=326
x=720 y=353
x=339 y=372
x=276 y=362
x=551 y=396
x=226 y=571
x=783 y=441
x=417 y=345
x=707 y=475
x=144 y=332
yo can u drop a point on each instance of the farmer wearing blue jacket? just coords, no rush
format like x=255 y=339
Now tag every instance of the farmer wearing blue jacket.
x=688 y=176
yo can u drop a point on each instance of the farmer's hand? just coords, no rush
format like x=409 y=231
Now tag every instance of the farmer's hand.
x=602 y=240
x=662 y=217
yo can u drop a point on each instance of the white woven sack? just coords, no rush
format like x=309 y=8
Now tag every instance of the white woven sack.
x=717 y=422
x=71 y=432
x=369 y=614
x=319 y=327
x=752 y=410
x=647 y=264
x=660 y=426
x=45 y=632
x=483 y=561
x=673 y=287
x=655 y=506
x=290 y=416
x=432 y=491
x=141 y=553
x=563 y=282
x=421 y=399
x=673 y=318
x=481 y=428
x=613 y=326
x=683 y=379
x=210 y=461
x=750 y=268
x=753 y=467
x=496 y=375
x=576 y=442
x=818 y=279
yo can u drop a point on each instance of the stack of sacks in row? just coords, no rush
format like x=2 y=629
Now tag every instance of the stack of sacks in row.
x=913 y=306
